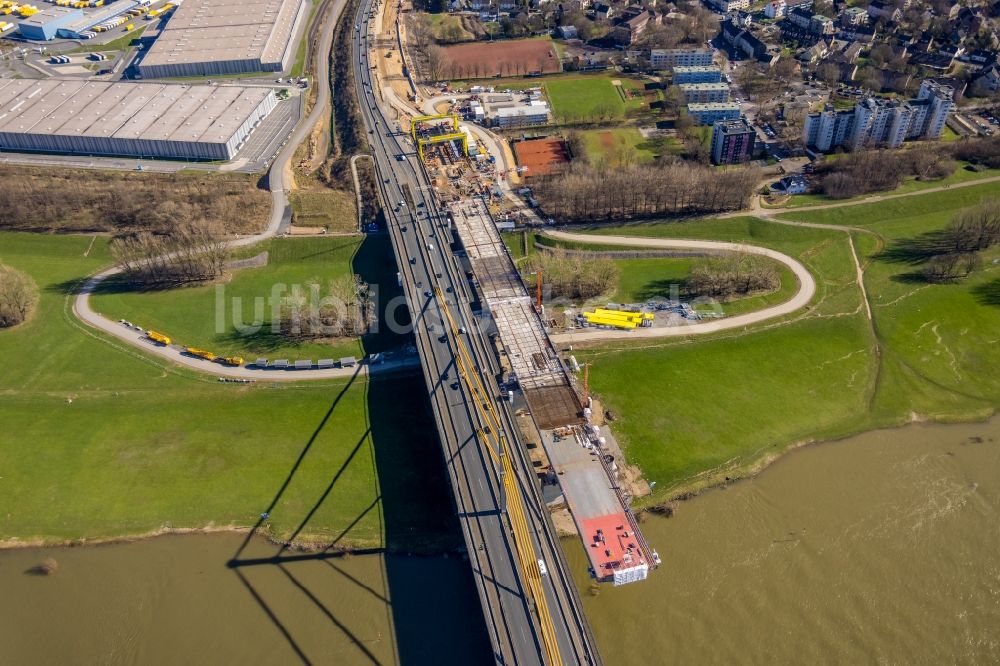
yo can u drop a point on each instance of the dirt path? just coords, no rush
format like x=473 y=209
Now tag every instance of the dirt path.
x=801 y=298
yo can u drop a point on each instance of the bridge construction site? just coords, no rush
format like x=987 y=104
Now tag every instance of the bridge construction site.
x=575 y=454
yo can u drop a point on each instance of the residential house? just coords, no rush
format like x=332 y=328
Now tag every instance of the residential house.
x=775 y=9
x=987 y=81
x=791 y=185
x=627 y=31
x=853 y=16
x=603 y=12
x=881 y=9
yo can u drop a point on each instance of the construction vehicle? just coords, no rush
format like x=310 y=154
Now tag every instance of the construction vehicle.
x=201 y=353
x=230 y=360
x=158 y=337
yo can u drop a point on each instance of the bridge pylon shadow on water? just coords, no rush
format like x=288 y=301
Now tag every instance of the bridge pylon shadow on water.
x=417 y=580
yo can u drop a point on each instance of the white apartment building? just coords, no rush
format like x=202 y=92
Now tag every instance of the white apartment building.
x=666 y=58
x=877 y=121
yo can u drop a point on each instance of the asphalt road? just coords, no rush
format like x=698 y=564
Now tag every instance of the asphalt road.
x=801 y=298
x=421 y=240
x=281 y=214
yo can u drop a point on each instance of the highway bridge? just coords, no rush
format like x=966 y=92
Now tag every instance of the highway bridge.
x=530 y=603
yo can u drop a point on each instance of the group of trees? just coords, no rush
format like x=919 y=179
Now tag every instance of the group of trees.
x=193 y=252
x=697 y=26
x=344 y=308
x=984 y=151
x=67 y=200
x=574 y=278
x=585 y=192
x=878 y=170
x=18 y=296
x=952 y=252
x=731 y=276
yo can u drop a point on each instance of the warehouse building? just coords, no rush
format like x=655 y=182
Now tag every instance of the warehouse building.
x=74 y=29
x=134 y=119
x=45 y=25
x=223 y=37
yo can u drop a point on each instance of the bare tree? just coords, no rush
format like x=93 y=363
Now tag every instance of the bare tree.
x=18 y=296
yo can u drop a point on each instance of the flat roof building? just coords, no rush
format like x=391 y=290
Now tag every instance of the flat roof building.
x=732 y=141
x=136 y=119
x=705 y=92
x=44 y=25
x=698 y=74
x=707 y=114
x=220 y=37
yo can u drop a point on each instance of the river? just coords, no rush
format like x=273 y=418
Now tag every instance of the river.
x=882 y=548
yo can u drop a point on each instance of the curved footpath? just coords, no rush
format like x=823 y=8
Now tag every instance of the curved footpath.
x=807 y=288
x=279 y=221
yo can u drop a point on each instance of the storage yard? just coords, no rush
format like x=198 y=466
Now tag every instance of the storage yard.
x=224 y=37
x=171 y=121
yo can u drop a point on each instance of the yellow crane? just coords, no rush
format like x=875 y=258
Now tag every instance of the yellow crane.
x=496 y=443
x=456 y=135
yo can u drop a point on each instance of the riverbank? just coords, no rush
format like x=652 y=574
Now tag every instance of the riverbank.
x=802 y=563
x=131 y=445
x=876 y=348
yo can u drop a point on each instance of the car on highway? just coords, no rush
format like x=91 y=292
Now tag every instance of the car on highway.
x=542 y=569
x=428 y=294
x=430 y=246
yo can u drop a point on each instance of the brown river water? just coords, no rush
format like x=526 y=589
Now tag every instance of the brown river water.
x=884 y=548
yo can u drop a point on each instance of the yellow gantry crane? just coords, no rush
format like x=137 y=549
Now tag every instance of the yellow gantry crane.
x=457 y=135
x=496 y=443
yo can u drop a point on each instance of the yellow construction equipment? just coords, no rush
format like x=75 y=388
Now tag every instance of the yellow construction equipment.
x=230 y=360
x=158 y=337
x=201 y=353
x=456 y=135
x=496 y=443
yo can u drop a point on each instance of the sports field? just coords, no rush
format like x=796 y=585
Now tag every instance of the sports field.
x=517 y=57
x=541 y=157
x=584 y=99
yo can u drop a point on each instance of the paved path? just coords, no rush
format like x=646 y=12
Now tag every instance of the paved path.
x=807 y=288
x=280 y=216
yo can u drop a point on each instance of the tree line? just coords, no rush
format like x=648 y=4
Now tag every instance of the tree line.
x=585 y=193
x=732 y=275
x=192 y=252
x=342 y=307
x=574 y=277
x=879 y=170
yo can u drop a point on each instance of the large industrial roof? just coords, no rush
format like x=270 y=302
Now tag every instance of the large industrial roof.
x=220 y=30
x=152 y=111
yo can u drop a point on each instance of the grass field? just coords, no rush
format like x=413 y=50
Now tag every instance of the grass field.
x=911 y=184
x=334 y=210
x=593 y=98
x=625 y=145
x=716 y=407
x=189 y=315
x=644 y=279
x=102 y=441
